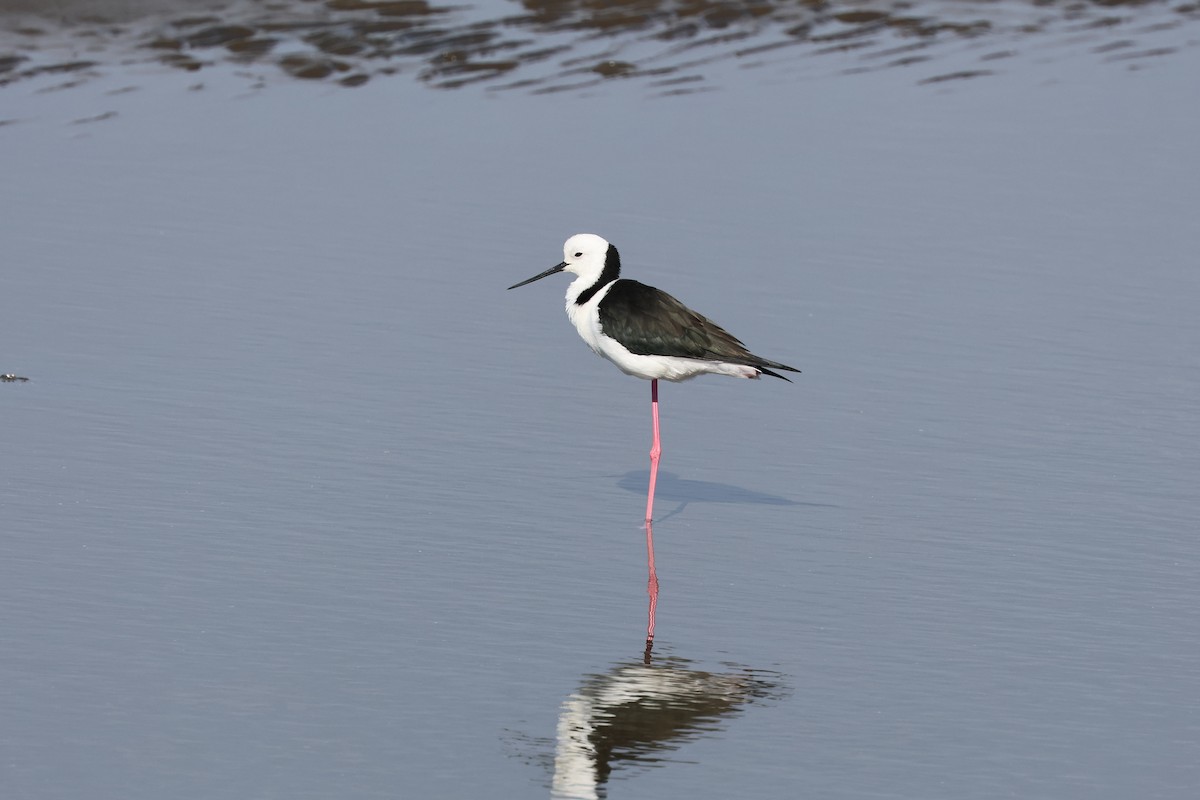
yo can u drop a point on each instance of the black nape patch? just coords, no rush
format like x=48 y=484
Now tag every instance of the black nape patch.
x=612 y=271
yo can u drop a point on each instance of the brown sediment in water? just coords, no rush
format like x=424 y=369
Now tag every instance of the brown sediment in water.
x=563 y=46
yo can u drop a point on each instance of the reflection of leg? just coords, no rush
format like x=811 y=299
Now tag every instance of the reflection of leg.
x=651 y=585
x=655 y=450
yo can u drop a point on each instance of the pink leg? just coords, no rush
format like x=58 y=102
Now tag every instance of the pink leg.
x=655 y=451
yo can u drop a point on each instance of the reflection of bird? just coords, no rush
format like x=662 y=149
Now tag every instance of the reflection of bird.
x=647 y=333
x=634 y=713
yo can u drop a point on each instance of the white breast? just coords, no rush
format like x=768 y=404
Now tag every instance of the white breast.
x=586 y=317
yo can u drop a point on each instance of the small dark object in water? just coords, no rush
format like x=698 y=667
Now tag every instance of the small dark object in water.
x=8 y=377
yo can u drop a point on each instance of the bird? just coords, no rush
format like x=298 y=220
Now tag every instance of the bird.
x=648 y=334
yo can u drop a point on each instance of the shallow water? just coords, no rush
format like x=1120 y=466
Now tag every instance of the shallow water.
x=298 y=501
x=554 y=46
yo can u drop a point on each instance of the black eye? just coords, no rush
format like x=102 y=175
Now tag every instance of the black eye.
x=577 y=255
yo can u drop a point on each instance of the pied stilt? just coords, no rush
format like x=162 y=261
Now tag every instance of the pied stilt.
x=649 y=334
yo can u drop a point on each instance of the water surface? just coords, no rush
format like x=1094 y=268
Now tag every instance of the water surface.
x=298 y=501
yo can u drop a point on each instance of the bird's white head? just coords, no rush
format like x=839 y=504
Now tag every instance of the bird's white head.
x=587 y=255
x=584 y=254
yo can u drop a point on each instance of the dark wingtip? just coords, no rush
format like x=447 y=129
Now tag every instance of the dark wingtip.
x=763 y=369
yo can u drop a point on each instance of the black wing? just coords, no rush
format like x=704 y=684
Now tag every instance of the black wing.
x=650 y=322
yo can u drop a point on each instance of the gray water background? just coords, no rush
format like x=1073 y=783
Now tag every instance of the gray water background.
x=299 y=502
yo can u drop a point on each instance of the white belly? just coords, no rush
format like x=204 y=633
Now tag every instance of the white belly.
x=586 y=319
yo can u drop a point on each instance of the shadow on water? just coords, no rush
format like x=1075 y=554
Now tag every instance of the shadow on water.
x=549 y=46
x=638 y=713
x=672 y=488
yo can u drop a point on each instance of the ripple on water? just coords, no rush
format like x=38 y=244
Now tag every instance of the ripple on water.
x=671 y=47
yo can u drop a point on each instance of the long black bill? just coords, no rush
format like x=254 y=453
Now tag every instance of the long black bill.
x=548 y=272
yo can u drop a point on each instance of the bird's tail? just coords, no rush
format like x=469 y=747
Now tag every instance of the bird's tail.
x=762 y=366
